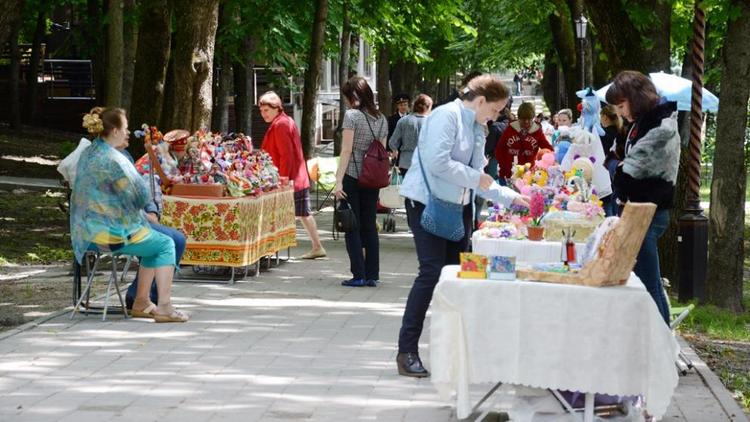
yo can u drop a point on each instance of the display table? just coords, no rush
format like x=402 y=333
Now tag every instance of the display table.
x=527 y=252
x=233 y=232
x=608 y=340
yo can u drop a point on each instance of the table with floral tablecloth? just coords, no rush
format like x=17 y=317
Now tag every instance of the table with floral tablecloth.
x=233 y=232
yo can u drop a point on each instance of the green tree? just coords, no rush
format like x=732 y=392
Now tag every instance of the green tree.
x=727 y=216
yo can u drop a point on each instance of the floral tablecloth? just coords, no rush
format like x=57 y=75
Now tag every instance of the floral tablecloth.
x=233 y=232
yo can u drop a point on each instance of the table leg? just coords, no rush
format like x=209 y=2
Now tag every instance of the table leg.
x=588 y=410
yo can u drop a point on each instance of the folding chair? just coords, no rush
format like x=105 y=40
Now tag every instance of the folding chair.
x=323 y=174
x=92 y=260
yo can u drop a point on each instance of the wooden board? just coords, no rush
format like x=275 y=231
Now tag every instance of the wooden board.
x=616 y=255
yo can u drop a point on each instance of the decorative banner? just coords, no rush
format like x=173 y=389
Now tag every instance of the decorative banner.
x=234 y=232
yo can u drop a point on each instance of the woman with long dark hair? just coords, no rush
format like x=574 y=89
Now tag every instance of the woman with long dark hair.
x=648 y=171
x=363 y=124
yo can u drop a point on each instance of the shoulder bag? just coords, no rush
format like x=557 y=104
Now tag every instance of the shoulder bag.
x=441 y=218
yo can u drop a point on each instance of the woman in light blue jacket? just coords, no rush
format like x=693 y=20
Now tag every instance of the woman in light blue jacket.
x=451 y=148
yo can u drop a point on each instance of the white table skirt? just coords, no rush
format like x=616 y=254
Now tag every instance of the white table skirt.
x=527 y=252
x=608 y=340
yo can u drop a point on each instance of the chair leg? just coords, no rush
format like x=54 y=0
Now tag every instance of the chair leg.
x=112 y=279
x=89 y=280
x=117 y=286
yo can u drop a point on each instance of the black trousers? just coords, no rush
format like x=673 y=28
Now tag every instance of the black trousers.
x=433 y=253
x=364 y=202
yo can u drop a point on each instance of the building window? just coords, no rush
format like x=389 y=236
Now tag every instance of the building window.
x=367 y=59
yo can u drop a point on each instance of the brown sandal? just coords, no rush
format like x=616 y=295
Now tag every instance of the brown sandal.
x=173 y=316
x=148 y=312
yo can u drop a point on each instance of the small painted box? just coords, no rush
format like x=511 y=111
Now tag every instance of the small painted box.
x=501 y=268
x=473 y=265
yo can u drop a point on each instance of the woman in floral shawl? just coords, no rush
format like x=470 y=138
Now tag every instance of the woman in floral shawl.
x=107 y=213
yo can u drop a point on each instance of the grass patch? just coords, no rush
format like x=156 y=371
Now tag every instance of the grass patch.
x=716 y=323
x=33 y=228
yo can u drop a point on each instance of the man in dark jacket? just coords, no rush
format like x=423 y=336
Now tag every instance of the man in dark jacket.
x=402 y=109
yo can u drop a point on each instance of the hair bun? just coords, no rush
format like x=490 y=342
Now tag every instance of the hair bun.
x=93 y=123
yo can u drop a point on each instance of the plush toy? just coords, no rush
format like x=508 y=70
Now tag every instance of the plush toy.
x=547 y=160
x=590 y=113
x=540 y=177
x=587 y=146
x=555 y=177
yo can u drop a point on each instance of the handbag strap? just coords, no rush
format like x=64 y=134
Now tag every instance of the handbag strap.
x=424 y=175
x=374 y=138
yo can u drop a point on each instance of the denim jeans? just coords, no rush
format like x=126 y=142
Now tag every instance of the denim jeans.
x=179 y=248
x=364 y=203
x=647 y=264
x=433 y=253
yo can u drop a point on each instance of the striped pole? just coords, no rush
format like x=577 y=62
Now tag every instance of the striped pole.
x=696 y=111
x=693 y=225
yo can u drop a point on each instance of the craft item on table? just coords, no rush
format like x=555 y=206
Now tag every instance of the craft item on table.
x=473 y=265
x=546 y=159
x=537 y=208
x=561 y=142
x=501 y=267
x=568 y=249
x=555 y=222
x=556 y=267
x=614 y=252
x=594 y=241
x=500 y=230
x=588 y=146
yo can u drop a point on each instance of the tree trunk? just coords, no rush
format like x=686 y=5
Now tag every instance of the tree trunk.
x=727 y=216
x=222 y=76
x=9 y=19
x=13 y=78
x=561 y=25
x=34 y=63
x=115 y=47
x=244 y=87
x=312 y=78
x=382 y=82
x=621 y=40
x=220 y=111
x=94 y=31
x=130 y=47
x=550 y=83
x=346 y=32
x=151 y=61
x=193 y=62
x=169 y=96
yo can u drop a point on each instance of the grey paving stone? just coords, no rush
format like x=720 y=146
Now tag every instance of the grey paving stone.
x=291 y=344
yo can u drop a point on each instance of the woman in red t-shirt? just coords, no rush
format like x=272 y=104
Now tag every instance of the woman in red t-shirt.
x=520 y=141
x=282 y=142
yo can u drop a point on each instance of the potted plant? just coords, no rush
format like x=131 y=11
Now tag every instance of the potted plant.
x=534 y=229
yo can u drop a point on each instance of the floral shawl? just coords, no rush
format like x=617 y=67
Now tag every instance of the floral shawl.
x=107 y=202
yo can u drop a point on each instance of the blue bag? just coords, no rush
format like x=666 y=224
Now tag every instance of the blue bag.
x=441 y=218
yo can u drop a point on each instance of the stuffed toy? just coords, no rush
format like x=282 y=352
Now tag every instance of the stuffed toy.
x=586 y=145
x=591 y=109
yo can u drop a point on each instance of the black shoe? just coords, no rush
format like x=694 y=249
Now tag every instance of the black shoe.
x=410 y=365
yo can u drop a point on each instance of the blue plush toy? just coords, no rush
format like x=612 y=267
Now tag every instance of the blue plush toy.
x=590 y=113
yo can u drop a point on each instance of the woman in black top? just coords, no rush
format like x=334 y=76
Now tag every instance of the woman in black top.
x=649 y=168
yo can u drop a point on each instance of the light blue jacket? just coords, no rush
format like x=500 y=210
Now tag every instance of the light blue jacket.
x=447 y=140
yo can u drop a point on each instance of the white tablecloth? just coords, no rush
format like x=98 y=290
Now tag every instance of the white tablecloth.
x=527 y=252
x=608 y=340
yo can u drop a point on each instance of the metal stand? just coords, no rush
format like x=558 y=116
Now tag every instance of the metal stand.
x=79 y=295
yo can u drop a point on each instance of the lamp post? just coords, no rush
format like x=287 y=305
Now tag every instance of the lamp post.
x=581 y=24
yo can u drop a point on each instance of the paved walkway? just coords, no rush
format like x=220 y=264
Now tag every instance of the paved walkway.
x=291 y=344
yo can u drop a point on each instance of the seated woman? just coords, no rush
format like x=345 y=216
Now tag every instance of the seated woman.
x=106 y=213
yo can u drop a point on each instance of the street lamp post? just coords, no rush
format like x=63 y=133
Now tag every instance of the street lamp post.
x=581 y=24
